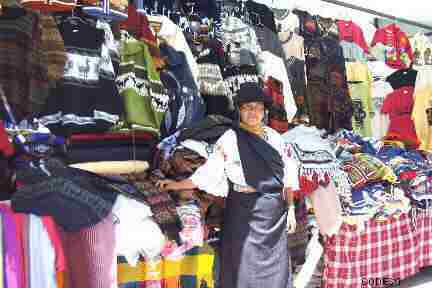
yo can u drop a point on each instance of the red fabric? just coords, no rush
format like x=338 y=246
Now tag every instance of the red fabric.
x=138 y=24
x=53 y=234
x=5 y=146
x=111 y=136
x=399 y=105
x=278 y=125
x=407 y=175
x=424 y=240
x=392 y=36
x=43 y=6
x=309 y=185
x=395 y=249
x=351 y=32
x=277 y=120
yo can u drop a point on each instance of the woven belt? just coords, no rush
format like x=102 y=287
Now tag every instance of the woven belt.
x=243 y=189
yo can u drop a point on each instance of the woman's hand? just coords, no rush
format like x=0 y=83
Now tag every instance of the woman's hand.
x=291 y=220
x=166 y=185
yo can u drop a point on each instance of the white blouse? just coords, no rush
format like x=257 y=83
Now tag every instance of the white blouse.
x=224 y=163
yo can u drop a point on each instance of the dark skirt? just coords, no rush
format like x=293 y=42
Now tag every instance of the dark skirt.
x=254 y=242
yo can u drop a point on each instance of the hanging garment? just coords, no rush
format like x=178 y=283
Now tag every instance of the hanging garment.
x=53 y=47
x=212 y=87
x=294 y=57
x=272 y=66
x=313 y=156
x=277 y=118
x=111 y=44
x=286 y=21
x=269 y=40
x=186 y=105
x=330 y=106
x=138 y=26
x=422 y=47
x=380 y=89
x=264 y=12
x=351 y=32
x=422 y=110
x=23 y=65
x=240 y=42
x=399 y=106
x=175 y=38
x=86 y=99
x=6 y=147
x=235 y=76
x=144 y=96
x=392 y=46
x=402 y=78
x=353 y=53
x=359 y=84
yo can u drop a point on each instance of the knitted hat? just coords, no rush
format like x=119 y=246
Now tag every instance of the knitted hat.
x=252 y=92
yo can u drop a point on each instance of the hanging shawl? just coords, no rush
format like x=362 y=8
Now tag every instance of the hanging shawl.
x=262 y=164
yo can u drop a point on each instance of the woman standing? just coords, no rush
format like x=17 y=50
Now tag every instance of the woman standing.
x=249 y=161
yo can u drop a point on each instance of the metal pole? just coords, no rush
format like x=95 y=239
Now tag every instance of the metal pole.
x=380 y=14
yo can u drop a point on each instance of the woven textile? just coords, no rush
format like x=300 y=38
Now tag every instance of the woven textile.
x=191 y=271
x=424 y=239
x=395 y=250
x=90 y=254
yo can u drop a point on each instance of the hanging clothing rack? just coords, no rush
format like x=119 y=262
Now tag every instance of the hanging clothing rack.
x=380 y=14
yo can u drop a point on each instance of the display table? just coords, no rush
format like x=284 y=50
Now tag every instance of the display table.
x=195 y=270
x=383 y=252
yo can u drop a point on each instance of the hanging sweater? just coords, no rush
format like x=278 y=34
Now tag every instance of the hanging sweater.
x=139 y=83
x=86 y=99
x=23 y=62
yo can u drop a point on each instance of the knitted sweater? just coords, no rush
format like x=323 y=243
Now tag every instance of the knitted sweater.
x=23 y=60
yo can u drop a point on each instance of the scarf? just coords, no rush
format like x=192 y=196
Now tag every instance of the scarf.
x=257 y=130
x=262 y=164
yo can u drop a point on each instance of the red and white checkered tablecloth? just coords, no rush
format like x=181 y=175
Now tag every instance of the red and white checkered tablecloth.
x=424 y=238
x=395 y=249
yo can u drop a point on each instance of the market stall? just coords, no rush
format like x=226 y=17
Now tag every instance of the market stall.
x=100 y=100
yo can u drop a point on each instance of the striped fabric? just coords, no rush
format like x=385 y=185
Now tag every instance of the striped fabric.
x=90 y=256
x=195 y=270
x=23 y=62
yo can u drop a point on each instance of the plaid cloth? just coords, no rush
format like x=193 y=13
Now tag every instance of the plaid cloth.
x=394 y=249
x=424 y=238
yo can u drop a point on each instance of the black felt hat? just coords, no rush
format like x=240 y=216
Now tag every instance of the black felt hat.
x=252 y=92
